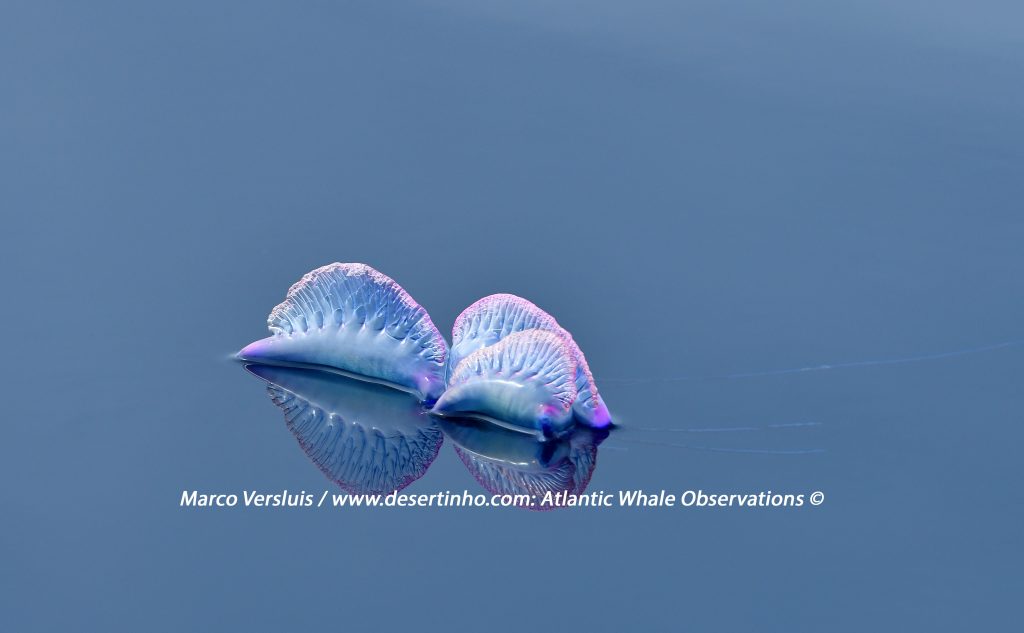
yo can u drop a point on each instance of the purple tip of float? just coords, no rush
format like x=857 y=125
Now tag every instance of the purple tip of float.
x=257 y=350
x=602 y=417
x=445 y=404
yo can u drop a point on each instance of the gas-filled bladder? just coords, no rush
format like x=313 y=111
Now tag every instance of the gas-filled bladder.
x=510 y=363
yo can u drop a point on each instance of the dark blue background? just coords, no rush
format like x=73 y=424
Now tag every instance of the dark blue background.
x=694 y=190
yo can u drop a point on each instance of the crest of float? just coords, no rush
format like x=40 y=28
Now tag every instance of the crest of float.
x=365 y=437
x=494 y=318
x=353 y=318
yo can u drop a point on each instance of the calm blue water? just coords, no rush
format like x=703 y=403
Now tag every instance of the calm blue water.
x=703 y=194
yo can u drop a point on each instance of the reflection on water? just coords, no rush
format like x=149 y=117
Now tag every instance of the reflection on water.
x=505 y=461
x=369 y=438
x=365 y=437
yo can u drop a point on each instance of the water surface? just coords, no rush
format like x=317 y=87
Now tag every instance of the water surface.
x=713 y=193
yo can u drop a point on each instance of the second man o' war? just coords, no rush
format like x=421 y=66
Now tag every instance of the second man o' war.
x=526 y=380
x=510 y=361
x=495 y=317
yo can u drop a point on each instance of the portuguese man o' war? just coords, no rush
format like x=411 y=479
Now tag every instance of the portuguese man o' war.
x=491 y=319
x=355 y=319
x=527 y=380
x=365 y=437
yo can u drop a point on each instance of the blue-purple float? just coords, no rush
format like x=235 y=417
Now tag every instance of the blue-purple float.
x=510 y=361
x=353 y=318
x=498 y=316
